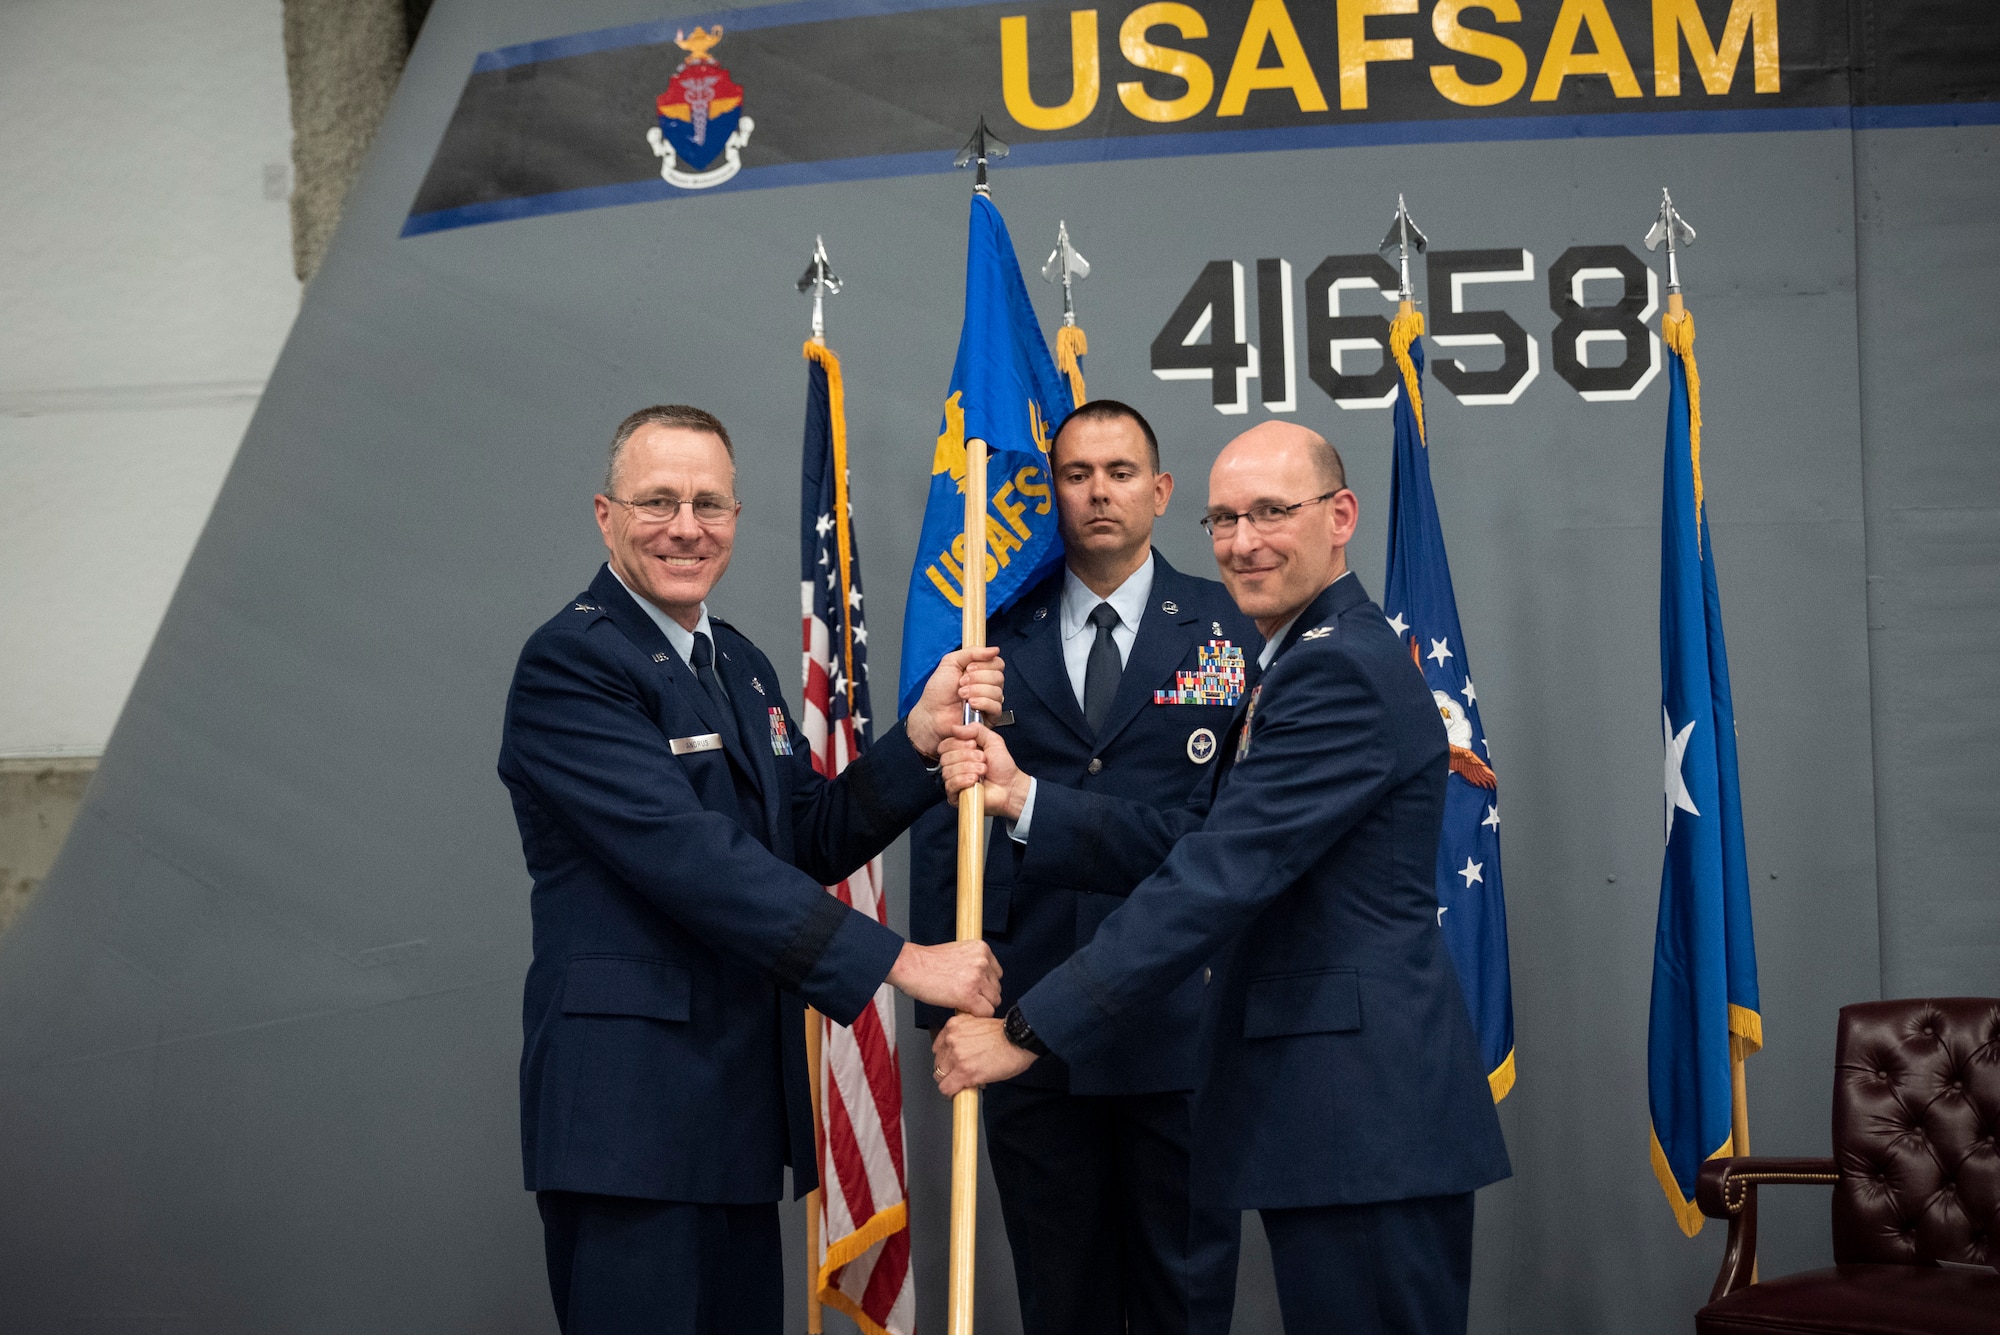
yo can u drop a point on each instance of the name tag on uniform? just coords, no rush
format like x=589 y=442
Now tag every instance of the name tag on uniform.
x=708 y=741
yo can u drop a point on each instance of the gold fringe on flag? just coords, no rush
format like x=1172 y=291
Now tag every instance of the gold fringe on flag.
x=836 y=404
x=1678 y=327
x=1072 y=345
x=1405 y=329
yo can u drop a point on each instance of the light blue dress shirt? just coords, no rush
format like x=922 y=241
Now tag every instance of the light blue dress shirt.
x=1128 y=600
x=679 y=636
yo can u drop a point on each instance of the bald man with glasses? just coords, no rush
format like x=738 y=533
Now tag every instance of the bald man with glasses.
x=1342 y=1093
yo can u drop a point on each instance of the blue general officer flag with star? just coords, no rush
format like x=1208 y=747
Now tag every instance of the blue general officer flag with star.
x=1472 y=908
x=1704 y=952
x=1006 y=391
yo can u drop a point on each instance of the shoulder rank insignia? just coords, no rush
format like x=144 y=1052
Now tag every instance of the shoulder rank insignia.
x=1216 y=680
x=1317 y=633
x=781 y=737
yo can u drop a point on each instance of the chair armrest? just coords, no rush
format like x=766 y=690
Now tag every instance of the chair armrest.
x=1724 y=1185
x=1727 y=1189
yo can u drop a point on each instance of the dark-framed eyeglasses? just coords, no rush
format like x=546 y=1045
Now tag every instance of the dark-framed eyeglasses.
x=1268 y=518
x=709 y=510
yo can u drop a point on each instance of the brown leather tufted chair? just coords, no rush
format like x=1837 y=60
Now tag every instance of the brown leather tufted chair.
x=1916 y=1186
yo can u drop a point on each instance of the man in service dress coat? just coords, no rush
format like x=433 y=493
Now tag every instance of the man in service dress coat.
x=1342 y=1093
x=1122 y=674
x=679 y=842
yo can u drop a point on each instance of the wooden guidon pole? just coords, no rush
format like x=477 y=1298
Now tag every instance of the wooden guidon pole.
x=971 y=911
x=1739 y=1111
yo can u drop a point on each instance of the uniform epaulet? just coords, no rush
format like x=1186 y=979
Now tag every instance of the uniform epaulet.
x=715 y=620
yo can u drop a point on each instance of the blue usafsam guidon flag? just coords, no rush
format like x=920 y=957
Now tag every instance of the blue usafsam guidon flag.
x=1472 y=907
x=1006 y=391
x=1704 y=954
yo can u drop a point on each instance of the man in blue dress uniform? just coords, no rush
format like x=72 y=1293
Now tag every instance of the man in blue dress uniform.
x=1342 y=1092
x=679 y=842
x=1122 y=674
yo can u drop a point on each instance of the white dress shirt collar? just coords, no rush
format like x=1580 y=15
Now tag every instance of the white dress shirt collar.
x=1277 y=636
x=679 y=636
x=1128 y=600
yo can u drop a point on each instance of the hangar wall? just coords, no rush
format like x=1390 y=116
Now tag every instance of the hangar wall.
x=256 y=1071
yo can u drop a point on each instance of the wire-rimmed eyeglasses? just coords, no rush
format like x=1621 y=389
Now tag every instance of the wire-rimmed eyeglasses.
x=1267 y=518
x=710 y=510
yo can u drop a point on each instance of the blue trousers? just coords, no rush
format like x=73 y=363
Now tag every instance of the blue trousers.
x=623 y=1266
x=1387 y=1268
x=1094 y=1192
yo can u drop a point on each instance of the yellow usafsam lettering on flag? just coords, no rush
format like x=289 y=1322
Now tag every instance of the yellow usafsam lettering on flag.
x=1007 y=393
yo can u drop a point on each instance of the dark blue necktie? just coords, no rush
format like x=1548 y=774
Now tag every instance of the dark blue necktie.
x=704 y=672
x=1102 y=669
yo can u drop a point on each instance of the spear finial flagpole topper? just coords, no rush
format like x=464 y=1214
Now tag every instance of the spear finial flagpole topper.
x=1404 y=234
x=1064 y=265
x=1673 y=229
x=984 y=144
x=820 y=280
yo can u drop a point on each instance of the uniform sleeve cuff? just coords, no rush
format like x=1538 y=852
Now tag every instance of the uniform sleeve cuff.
x=1018 y=831
x=900 y=780
x=1064 y=1013
x=852 y=968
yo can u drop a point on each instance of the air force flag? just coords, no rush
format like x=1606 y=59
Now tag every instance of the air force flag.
x=1704 y=956
x=1006 y=391
x=1472 y=910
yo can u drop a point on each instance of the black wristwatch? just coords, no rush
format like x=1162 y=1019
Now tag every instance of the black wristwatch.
x=1022 y=1036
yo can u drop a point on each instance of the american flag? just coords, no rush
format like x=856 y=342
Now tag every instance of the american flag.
x=864 y=1262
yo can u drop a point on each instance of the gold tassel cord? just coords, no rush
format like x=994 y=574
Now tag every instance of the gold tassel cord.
x=1678 y=330
x=1405 y=329
x=1072 y=345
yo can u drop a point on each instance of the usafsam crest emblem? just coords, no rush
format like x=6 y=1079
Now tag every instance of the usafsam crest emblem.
x=700 y=118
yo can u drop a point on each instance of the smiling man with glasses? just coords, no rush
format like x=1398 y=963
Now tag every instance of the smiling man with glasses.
x=1342 y=1093
x=679 y=841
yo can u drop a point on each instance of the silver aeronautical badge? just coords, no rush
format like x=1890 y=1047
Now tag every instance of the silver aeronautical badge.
x=1201 y=746
x=757 y=686
x=1216 y=626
